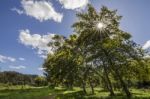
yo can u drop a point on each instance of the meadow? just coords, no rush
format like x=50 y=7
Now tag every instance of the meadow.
x=28 y=92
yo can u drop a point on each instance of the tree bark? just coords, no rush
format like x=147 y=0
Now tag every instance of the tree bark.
x=108 y=85
x=84 y=87
x=124 y=86
x=108 y=82
x=91 y=85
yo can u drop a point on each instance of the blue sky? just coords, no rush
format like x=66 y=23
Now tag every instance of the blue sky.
x=19 y=23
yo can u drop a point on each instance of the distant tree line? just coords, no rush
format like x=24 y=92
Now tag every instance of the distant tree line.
x=15 y=78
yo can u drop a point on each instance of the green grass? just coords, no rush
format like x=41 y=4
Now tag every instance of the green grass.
x=33 y=93
x=28 y=92
x=101 y=94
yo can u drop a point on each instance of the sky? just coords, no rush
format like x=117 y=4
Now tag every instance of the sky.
x=26 y=27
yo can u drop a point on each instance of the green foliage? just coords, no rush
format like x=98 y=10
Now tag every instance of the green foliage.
x=99 y=53
x=15 y=78
x=40 y=81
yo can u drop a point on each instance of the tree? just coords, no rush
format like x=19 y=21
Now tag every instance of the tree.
x=40 y=81
x=16 y=78
x=99 y=50
x=103 y=40
x=63 y=60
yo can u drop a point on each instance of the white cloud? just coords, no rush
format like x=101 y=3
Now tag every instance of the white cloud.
x=36 y=41
x=74 y=4
x=17 y=67
x=147 y=56
x=41 y=10
x=146 y=45
x=6 y=58
x=17 y=10
x=22 y=59
x=41 y=68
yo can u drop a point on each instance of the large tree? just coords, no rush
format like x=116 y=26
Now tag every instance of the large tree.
x=98 y=51
x=106 y=43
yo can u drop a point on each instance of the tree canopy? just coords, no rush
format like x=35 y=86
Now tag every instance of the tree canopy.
x=99 y=53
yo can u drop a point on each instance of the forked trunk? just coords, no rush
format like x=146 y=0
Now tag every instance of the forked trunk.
x=124 y=86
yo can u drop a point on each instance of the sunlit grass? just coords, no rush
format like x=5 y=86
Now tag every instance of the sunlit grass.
x=28 y=92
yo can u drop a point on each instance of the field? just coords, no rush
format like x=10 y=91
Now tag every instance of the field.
x=28 y=92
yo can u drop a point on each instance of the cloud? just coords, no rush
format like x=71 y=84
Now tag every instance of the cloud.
x=6 y=58
x=74 y=4
x=17 y=67
x=21 y=59
x=39 y=9
x=146 y=45
x=41 y=68
x=147 y=56
x=36 y=41
x=17 y=10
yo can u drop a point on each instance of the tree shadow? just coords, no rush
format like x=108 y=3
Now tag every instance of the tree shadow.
x=81 y=95
x=72 y=95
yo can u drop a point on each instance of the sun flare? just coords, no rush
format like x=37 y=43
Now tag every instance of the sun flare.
x=100 y=25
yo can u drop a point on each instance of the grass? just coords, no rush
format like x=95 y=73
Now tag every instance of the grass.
x=101 y=94
x=32 y=93
x=28 y=92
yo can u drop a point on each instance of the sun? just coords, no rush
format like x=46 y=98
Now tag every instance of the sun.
x=100 y=25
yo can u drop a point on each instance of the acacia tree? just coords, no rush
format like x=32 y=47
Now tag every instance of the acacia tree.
x=107 y=43
x=61 y=66
x=92 y=30
x=99 y=47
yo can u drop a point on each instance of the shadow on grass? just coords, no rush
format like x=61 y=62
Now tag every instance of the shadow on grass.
x=45 y=93
x=81 y=95
x=73 y=95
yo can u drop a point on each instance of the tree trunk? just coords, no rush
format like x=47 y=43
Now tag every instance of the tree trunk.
x=124 y=86
x=84 y=87
x=109 y=85
x=91 y=85
x=119 y=76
